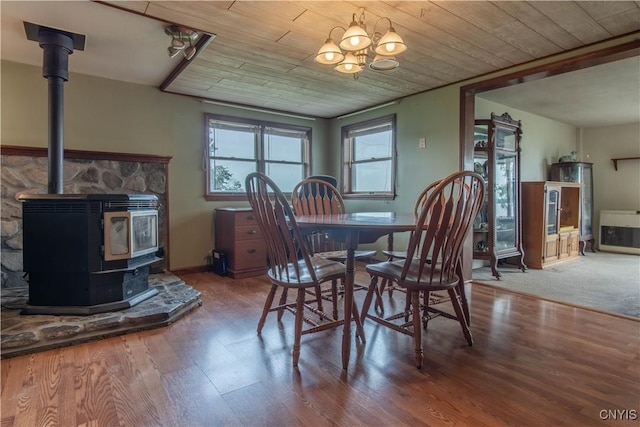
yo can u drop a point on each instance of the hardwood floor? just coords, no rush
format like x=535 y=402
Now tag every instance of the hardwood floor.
x=533 y=363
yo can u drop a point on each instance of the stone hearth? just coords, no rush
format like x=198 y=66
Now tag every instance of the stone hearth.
x=23 y=334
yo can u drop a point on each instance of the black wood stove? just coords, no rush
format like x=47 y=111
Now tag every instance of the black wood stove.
x=88 y=253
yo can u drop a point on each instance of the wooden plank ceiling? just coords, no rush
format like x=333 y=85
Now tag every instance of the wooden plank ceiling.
x=263 y=51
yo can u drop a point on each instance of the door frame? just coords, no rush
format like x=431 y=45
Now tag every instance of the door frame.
x=469 y=92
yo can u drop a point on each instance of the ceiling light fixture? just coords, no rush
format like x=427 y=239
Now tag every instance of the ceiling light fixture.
x=351 y=54
x=182 y=41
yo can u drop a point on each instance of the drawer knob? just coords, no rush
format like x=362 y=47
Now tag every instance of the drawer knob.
x=251 y=251
x=251 y=232
x=251 y=217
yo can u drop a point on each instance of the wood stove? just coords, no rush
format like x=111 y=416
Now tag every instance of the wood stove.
x=88 y=253
x=83 y=253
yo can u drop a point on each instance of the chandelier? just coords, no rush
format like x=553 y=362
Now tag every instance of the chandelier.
x=351 y=54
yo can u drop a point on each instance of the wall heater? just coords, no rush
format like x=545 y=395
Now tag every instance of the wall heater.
x=620 y=231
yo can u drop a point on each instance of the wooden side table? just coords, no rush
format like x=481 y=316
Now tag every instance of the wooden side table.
x=238 y=234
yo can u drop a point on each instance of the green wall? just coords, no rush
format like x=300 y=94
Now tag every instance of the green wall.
x=433 y=116
x=112 y=116
x=107 y=115
x=543 y=140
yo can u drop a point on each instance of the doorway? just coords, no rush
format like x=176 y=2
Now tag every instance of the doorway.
x=469 y=92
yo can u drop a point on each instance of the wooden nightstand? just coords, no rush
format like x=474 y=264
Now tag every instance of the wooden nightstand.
x=238 y=234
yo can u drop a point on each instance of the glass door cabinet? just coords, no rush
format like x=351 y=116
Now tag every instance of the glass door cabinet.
x=497 y=231
x=581 y=172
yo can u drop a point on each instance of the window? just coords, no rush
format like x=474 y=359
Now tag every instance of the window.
x=369 y=159
x=237 y=147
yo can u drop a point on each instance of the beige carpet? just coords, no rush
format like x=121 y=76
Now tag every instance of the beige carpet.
x=602 y=281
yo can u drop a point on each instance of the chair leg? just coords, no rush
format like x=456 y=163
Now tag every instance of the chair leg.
x=319 y=297
x=426 y=299
x=408 y=304
x=267 y=306
x=461 y=318
x=334 y=298
x=367 y=299
x=358 y=320
x=298 y=325
x=463 y=295
x=283 y=301
x=386 y=285
x=417 y=329
x=378 y=305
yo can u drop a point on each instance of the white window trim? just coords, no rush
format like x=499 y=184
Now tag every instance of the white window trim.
x=260 y=128
x=347 y=159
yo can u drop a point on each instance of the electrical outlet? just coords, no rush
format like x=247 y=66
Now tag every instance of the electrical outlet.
x=422 y=143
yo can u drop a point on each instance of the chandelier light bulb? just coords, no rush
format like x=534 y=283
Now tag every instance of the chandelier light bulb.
x=329 y=53
x=390 y=43
x=349 y=65
x=355 y=38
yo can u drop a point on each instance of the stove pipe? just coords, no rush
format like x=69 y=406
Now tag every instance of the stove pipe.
x=57 y=46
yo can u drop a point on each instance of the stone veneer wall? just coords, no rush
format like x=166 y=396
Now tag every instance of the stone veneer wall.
x=25 y=170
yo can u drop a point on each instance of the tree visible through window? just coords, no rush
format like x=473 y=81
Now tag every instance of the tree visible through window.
x=369 y=153
x=236 y=147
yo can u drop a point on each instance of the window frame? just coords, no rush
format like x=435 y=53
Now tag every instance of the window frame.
x=347 y=155
x=259 y=147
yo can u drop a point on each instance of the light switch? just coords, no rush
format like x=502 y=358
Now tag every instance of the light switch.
x=422 y=143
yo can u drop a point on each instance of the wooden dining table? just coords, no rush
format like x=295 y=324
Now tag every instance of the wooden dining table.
x=353 y=229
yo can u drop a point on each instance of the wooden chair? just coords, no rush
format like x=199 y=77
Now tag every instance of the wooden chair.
x=429 y=299
x=318 y=196
x=291 y=265
x=433 y=261
x=395 y=255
